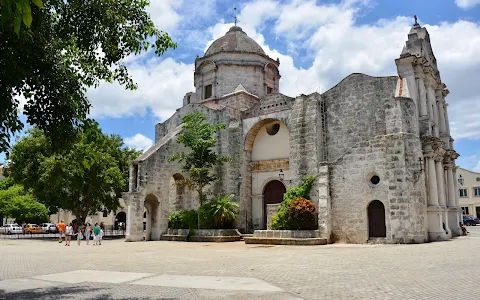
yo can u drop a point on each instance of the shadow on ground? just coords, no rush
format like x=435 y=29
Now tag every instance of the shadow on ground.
x=69 y=293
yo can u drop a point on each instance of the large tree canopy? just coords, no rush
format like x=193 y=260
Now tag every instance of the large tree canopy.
x=51 y=51
x=87 y=178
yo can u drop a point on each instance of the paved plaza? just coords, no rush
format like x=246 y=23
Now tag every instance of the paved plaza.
x=45 y=269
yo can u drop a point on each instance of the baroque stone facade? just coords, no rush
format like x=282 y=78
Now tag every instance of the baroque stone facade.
x=380 y=148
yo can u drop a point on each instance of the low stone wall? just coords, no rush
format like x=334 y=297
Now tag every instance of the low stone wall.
x=202 y=235
x=295 y=234
x=286 y=237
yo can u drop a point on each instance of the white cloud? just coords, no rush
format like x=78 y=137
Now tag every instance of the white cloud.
x=163 y=13
x=467 y=3
x=161 y=87
x=477 y=167
x=139 y=142
x=329 y=37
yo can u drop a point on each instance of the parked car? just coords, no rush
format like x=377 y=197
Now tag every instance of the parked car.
x=470 y=221
x=33 y=228
x=49 y=228
x=11 y=229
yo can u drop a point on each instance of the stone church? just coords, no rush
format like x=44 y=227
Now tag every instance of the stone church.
x=380 y=147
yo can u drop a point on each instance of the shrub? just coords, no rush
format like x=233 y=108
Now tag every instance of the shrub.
x=298 y=214
x=219 y=213
x=183 y=219
x=301 y=191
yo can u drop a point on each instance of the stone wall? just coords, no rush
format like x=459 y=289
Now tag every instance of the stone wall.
x=369 y=132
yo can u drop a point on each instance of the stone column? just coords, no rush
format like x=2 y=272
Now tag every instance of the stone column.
x=441 y=112
x=455 y=187
x=434 y=212
x=451 y=202
x=422 y=94
x=432 y=106
x=445 y=108
x=441 y=194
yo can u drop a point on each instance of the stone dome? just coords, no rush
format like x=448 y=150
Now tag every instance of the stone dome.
x=235 y=40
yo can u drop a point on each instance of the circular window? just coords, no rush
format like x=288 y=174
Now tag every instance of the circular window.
x=375 y=179
x=273 y=128
x=478 y=178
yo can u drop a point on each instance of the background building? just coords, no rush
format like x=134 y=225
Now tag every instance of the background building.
x=469 y=192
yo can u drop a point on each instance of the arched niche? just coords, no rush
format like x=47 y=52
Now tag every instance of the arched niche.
x=271 y=141
x=176 y=193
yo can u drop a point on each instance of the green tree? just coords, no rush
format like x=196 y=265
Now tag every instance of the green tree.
x=23 y=208
x=87 y=178
x=51 y=55
x=197 y=163
x=16 y=12
x=17 y=203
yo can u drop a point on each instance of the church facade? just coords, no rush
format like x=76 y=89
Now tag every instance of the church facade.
x=380 y=147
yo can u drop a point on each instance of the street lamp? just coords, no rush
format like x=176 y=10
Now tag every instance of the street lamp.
x=281 y=175
x=418 y=172
x=460 y=180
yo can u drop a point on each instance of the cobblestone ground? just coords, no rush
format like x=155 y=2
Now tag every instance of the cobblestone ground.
x=443 y=270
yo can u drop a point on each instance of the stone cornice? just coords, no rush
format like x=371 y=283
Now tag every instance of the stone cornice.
x=406 y=60
x=270 y=165
x=432 y=141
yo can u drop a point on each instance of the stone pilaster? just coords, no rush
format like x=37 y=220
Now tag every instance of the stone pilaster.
x=451 y=200
x=434 y=212
x=431 y=100
x=441 y=190
x=441 y=111
x=419 y=78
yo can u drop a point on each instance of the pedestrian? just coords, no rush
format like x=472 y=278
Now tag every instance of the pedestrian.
x=80 y=234
x=464 y=229
x=102 y=228
x=96 y=234
x=88 y=232
x=61 y=231
x=68 y=234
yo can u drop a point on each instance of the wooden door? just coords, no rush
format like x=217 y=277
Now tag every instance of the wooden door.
x=273 y=193
x=376 y=220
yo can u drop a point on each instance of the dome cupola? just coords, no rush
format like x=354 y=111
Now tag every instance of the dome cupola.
x=235 y=40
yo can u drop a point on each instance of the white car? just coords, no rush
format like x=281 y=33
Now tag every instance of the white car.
x=11 y=229
x=48 y=228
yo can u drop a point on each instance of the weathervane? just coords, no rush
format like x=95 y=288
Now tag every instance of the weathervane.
x=235 y=19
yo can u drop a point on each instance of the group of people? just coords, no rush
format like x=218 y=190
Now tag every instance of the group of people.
x=80 y=232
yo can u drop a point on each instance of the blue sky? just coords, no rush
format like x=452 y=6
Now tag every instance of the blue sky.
x=318 y=43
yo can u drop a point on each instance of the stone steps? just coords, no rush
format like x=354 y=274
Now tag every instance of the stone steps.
x=285 y=241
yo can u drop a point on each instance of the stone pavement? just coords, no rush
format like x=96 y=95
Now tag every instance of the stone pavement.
x=32 y=269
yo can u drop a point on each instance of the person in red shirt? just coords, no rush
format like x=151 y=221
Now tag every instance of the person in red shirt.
x=61 y=230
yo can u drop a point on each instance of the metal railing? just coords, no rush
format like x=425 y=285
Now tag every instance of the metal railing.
x=108 y=233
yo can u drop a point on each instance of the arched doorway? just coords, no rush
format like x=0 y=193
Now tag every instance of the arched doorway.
x=376 y=220
x=272 y=194
x=121 y=221
x=151 y=206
